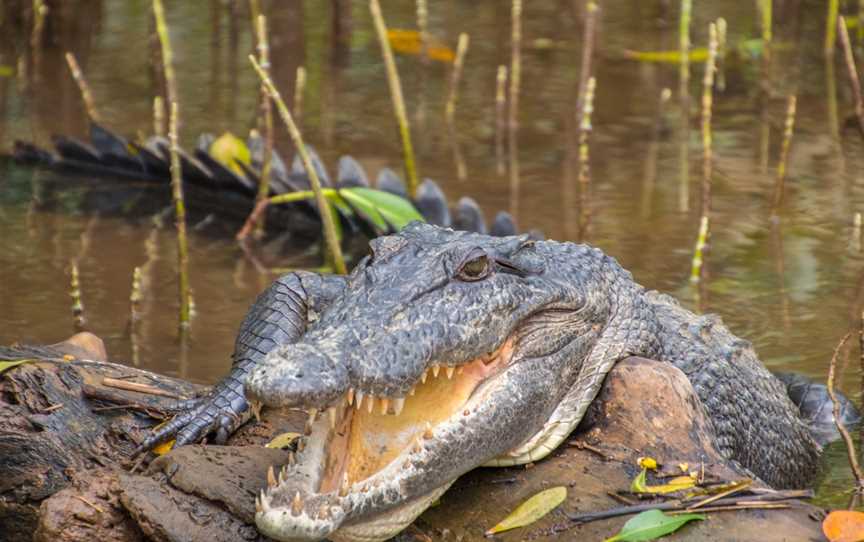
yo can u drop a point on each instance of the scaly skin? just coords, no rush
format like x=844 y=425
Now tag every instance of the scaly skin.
x=558 y=317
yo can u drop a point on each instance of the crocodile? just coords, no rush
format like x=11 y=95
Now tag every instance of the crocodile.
x=447 y=350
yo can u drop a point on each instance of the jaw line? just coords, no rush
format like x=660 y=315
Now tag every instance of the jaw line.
x=293 y=508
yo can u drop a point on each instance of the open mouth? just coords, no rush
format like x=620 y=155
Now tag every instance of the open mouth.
x=368 y=453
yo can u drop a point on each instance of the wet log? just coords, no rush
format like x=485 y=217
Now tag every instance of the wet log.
x=65 y=472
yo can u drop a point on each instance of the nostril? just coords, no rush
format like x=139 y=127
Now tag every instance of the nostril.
x=300 y=374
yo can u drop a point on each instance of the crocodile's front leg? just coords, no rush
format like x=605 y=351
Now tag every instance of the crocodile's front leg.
x=278 y=316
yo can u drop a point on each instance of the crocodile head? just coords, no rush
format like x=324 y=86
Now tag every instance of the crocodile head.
x=446 y=351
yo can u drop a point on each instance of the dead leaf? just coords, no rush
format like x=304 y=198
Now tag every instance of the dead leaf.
x=407 y=42
x=844 y=526
x=282 y=441
x=164 y=448
x=531 y=510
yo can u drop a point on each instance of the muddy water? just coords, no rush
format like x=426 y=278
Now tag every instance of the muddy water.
x=793 y=289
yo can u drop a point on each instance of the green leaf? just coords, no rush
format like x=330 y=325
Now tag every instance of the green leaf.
x=381 y=208
x=6 y=71
x=651 y=525
x=229 y=149
x=6 y=365
x=531 y=510
x=639 y=483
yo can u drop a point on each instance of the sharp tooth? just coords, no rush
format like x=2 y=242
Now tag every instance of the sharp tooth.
x=258 y=507
x=424 y=376
x=359 y=403
x=370 y=403
x=435 y=370
x=313 y=412
x=296 y=505
x=265 y=503
x=459 y=370
x=427 y=433
x=343 y=487
x=385 y=405
x=301 y=444
x=283 y=473
x=450 y=371
x=331 y=413
x=398 y=405
x=413 y=391
x=291 y=459
x=416 y=446
x=350 y=396
x=271 y=478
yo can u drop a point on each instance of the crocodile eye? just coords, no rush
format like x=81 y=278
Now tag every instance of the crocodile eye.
x=476 y=267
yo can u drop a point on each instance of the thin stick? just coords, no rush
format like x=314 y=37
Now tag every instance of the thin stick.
x=513 y=118
x=831 y=26
x=731 y=491
x=699 y=253
x=136 y=386
x=176 y=172
x=423 y=29
x=707 y=103
x=860 y=22
x=324 y=208
x=684 y=48
x=75 y=293
x=585 y=128
x=455 y=77
x=135 y=297
x=852 y=71
x=765 y=10
x=299 y=89
x=158 y=116
x=789 y=128
x=396 y=96
x=587 y=55
x=83 y=87
x=721 y=54
x=758 y=499
x=266 y=119
x=515 y=63
x=500 y=106
x=850 y=446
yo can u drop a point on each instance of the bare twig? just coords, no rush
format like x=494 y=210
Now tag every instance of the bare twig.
x=831 y=26
x=396 y=95
x=585 y=129
x=500 y=123
x=137 y=387
x=83 y=87
x=588 y=33
x=324 y=208
x=789 y=128
x=266 y=122
x=299 y=89
x=850 y=446
x=77 y=306
x=450 y=108
x=513 y=116
x=176 y=173
x=853 y=72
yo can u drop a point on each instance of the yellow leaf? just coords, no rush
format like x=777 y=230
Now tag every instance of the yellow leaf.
x=68 y=357
x=282 y=441
x=407 y=42
x=531 y=510
x=6 y=71
x=668 y=57
x=684 y=467
x=844 y=526
x=163 y=448
x=640 y=485
x=229 y=149
x=647 y=463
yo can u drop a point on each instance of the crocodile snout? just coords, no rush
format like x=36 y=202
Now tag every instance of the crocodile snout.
x=298 y=375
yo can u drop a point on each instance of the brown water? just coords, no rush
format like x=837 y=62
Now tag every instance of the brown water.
x=793 y=290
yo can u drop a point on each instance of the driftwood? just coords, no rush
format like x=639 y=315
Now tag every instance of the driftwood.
x=65 y=472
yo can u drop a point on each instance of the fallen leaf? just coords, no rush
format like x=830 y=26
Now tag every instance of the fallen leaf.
x=844 y=526
x=68 y=357
x=531 y=510
x=6 y=365
x=640 y=484
x=696 y=55
x=407 y=42
x=282 y=441
x=651 y=525
x=684 y=467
